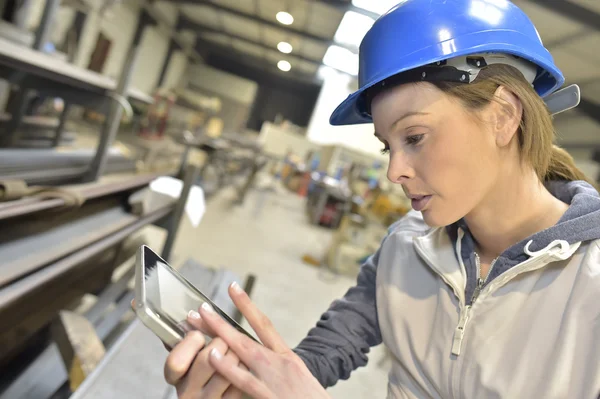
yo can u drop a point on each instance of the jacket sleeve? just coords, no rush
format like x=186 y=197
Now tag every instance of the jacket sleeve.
x=340 y=341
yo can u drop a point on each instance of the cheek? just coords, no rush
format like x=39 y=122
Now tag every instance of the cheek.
x=456 y=162
x=460 y=172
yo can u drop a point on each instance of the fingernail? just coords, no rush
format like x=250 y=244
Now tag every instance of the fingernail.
x=236 y=287
x=206 y=306
x=192 y=314
x=216 y=354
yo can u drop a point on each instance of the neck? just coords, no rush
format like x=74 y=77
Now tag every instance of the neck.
x=517 y=207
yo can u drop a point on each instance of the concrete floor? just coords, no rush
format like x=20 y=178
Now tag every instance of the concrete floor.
x=270 y=245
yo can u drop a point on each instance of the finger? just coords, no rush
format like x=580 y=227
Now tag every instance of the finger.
x=200 y=372
x=181 y=357
x=246 y=348
x=218 y=384
x=195 y=321
x=232 y=393
x=257 y=320
x=242 y=379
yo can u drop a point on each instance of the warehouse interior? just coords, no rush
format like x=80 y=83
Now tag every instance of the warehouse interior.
x=200 y=128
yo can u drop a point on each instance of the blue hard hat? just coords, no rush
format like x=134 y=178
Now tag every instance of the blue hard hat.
x=416 y=38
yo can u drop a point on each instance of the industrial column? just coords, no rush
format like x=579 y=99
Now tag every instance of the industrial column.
x=115 y=112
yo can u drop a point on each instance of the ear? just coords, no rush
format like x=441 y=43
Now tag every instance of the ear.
x=508 y=111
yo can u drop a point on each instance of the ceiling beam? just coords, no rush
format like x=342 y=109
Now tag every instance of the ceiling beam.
x=163 y=23
x=206 y=47
x=578 y=13
x=272 y=24
x=186 y=23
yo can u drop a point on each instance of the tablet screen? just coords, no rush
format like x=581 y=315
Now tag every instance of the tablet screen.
x=171 y=296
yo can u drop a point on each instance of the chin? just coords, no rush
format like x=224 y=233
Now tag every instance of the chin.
x=437 y=219
x=431 y=220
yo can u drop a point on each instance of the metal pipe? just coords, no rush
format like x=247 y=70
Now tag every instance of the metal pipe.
x=13 y=292
x=35 y=204
x=30 y=207
x=191 y=174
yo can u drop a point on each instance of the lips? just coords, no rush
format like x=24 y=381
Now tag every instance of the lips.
x=419 y=202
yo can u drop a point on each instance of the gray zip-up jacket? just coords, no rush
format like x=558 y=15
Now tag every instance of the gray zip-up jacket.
x=533 y=331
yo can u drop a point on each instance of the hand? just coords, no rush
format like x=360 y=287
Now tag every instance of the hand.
x=188 y=369
x=275 y=370
x=190 y=357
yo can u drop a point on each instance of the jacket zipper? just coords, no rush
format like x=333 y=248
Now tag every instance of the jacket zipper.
x=465 y=313
x=481 y=281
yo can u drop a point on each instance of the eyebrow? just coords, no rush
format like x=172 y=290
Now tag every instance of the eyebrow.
x=406 y=115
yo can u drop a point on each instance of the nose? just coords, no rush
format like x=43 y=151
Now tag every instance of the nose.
x=399 y=169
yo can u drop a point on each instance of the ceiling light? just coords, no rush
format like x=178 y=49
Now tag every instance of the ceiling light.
x=284 y=66
x=285 y=18
x=378 y=7
x=341 y=59
x=284 y=47
x=353 y=28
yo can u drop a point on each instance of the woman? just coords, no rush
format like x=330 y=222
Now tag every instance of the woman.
x=490 y=286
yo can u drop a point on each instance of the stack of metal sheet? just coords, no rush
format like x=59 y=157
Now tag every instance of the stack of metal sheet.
x=39 y=253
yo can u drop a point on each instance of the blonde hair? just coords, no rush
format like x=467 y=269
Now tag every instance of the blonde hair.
x=536 y=132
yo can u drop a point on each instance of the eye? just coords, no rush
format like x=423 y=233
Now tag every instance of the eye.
x=414 y=139
x=385 y=150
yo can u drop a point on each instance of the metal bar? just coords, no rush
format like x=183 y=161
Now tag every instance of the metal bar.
x=13 y=292
x=46 y=176
x=54 y=175
x=45 y=158
x=35 y=204
x=191 y=174
x=61 y=125
x=30 y=207
x=42 y=35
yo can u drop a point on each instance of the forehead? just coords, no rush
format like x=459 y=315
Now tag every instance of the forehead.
x=406 y=98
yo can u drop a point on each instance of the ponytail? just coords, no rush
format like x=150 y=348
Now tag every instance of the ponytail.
x=562 y=167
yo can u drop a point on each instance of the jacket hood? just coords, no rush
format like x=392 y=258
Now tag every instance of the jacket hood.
x=580 y=223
